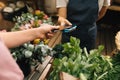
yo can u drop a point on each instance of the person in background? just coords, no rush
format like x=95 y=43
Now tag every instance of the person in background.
x=83 y=14
x=117 y=40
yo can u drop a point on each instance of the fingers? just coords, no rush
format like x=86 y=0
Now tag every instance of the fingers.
x=64 y=23
x=68 y=23
x=48 y=36
x=55 y=28
x=47 y=31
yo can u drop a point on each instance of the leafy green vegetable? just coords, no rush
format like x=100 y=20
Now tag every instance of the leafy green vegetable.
x=79 y=63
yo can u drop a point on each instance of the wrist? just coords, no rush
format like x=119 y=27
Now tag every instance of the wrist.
x=38 y=33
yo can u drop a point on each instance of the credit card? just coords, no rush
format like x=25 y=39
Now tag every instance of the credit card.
x=66 y=30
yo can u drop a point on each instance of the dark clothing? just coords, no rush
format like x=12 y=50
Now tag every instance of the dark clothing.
x=83 y=13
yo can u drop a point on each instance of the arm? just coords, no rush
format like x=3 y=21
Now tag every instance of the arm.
x=102 y=12
x=13 y=39
x=103 y=7
x=62 y=12
x=61 y=7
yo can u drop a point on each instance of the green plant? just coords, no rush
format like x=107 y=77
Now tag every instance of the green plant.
x=32 y=53
x=92 y=66
x=29 y=20
x=36 y=51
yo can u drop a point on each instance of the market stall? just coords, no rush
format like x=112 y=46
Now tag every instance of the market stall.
x=12 y=20
x=50 y=60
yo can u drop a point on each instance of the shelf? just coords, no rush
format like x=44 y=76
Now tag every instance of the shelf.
x=56 y=39
x=45 y=72
x=41 y=71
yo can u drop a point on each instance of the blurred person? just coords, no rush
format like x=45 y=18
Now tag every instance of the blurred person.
x=83 y=14
x=117 y=40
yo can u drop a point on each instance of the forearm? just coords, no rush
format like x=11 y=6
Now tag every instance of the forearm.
x=102 y=12
x=62 y=12
x=13 y=39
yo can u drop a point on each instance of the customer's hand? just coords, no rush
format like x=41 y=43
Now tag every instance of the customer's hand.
x=64 y=23
x=45 y=31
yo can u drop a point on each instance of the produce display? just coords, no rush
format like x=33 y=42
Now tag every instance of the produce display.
x=70 y=58
x=33 y=52
x=34 y=48
x=29 y=20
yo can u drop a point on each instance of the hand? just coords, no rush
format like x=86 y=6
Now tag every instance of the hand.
x=64 y=23
x=45 y=31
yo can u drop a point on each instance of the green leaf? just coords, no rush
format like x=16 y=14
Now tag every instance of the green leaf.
x=82 y=77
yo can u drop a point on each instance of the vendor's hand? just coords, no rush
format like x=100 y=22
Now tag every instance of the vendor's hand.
x=45 y=31
x=64 y=23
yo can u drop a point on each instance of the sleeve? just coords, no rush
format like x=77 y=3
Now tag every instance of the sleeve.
x=9 y=70
x=61 y=3
x=106 y=3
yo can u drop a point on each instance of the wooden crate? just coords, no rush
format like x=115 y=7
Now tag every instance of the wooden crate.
x=66 y=76
x=106 y=37
x=42 y=70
